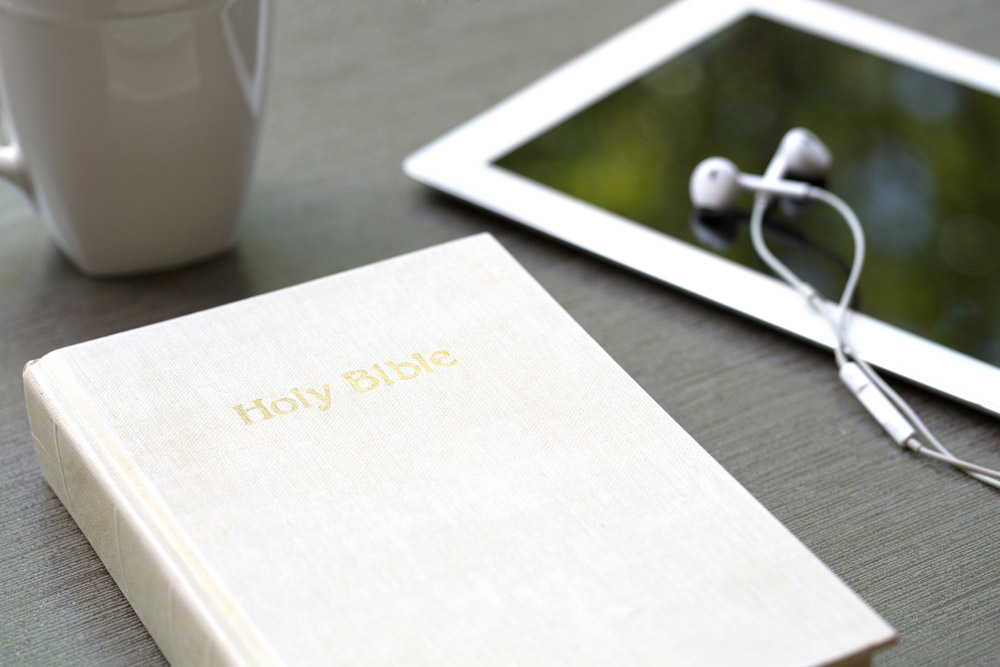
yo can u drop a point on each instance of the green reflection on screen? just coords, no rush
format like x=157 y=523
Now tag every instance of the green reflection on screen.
x=915 y=155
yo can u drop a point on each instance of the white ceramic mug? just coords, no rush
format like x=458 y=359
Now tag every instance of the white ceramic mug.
x=133 y=123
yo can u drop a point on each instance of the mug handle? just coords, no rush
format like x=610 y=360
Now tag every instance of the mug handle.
x=13 y=169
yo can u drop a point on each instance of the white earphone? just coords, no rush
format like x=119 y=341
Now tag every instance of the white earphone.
x=717 y=183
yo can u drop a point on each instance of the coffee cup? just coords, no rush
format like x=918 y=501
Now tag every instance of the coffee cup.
x=133 y=123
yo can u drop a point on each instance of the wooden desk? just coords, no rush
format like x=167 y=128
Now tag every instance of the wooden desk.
x=356 y=87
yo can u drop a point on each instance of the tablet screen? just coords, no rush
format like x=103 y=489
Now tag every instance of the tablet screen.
x=916 y=156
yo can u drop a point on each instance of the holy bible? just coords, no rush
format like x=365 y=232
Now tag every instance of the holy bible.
x=421 y=461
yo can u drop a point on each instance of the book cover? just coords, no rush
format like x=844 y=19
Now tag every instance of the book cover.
x=424 y=460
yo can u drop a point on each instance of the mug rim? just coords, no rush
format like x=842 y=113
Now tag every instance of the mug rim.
x=101 y=9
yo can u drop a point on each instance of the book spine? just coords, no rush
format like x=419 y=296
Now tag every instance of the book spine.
x=152 y=584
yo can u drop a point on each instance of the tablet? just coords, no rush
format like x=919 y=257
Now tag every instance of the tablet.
x=599 y=154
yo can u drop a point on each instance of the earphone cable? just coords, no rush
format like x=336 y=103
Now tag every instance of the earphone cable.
x=843 y=350
x=839 y=321
x=985 y=475
x=988 y=476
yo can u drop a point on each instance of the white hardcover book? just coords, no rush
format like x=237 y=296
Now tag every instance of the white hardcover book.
x=422 y=461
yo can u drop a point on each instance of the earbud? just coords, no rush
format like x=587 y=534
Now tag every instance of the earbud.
x=716 y=183
x=801 y=153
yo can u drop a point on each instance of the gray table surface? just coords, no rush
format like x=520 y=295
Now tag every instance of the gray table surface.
x=356 y=87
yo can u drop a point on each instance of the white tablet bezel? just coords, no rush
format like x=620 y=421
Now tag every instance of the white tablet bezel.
x=460 y=163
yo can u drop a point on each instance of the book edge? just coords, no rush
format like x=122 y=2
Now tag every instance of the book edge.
x=180 y=601
x=863 y=657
